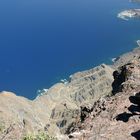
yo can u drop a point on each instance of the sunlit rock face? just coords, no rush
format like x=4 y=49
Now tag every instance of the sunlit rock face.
x=68 y=108
x=91 y=102
x=115 y=117
x=57 y=108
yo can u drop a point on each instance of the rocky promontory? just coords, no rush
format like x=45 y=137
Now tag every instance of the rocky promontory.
x=85 y=106
x=102 y=103
x=116 y=117
x=58 y=108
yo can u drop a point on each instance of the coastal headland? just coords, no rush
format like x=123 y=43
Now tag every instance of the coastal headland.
x=63 y=109
x=102 y=103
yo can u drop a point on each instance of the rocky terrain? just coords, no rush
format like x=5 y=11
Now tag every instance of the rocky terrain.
x=118 y=116
x=57 y=109
x=92 y=102
x=102 y=103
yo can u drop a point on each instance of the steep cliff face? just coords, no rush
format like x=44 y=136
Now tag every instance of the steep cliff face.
x=116 y=117
x=57 y=109
x=92 y=105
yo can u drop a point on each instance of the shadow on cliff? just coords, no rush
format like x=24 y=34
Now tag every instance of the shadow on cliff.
x=136 y=135
x=124 y=117
x=119 y=78
x=134 y=109
x=135 y=99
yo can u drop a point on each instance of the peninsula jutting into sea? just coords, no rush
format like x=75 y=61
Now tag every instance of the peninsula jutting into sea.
x=102 y=103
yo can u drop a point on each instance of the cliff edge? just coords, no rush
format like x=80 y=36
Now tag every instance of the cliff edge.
x=86 y=106
x=55 y=110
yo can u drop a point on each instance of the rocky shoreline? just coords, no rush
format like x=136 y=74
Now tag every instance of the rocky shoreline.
x=64 y=111
x=102 y=103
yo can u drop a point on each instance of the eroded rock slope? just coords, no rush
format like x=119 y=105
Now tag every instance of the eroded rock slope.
x=56 y=110
x=116 y=117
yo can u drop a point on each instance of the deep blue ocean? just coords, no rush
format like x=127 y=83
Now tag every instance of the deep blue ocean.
x=43 y=41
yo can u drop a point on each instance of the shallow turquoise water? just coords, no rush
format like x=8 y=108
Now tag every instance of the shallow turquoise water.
x=43 y=41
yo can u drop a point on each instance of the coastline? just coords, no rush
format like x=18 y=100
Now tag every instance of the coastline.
x=41 y=69
x=65 y=98
x=118 y=62
x=91 y=104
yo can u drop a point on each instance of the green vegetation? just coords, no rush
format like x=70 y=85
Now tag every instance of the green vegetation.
x=39 y=136
x=2 y=127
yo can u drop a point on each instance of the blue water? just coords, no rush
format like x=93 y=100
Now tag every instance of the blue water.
x=43 y=41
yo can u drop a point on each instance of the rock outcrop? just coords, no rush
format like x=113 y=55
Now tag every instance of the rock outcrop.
x=102 y=103
x=91 y=106
x=57 y=109
x=92 y=102
x=115 y=117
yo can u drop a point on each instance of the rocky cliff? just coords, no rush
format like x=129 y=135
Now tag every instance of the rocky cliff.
x=102 y=103
x=57 y=109
x=116 y=117
x=92 y=105
x=92 y=102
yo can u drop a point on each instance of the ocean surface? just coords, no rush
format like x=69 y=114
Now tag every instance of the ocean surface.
x=44 y=41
